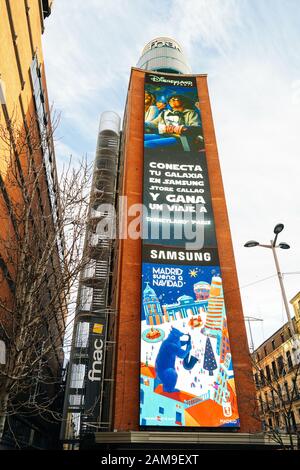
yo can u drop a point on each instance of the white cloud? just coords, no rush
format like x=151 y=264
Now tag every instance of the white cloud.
x=205 y=22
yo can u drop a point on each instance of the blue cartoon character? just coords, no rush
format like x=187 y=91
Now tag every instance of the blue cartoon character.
x=171 y=348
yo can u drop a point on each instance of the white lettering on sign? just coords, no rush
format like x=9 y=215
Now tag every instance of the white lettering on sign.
x=162 y=43
x=156 y=78
x=180 y=255
x=95 y=374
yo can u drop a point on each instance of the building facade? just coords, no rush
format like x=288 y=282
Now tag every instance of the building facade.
x=126 y=412
x=137 y=391
x=277 y=379
x=25 y=117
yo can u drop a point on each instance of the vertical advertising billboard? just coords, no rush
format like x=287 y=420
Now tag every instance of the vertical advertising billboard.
x=187 y=377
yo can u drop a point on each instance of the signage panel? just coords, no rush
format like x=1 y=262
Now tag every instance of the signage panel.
x=94 y=378
x=187 y=377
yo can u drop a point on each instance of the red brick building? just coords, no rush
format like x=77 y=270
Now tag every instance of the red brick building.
x=120 y=395
x=126 y=398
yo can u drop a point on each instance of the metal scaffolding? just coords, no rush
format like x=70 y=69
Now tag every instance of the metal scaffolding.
x=89 y=380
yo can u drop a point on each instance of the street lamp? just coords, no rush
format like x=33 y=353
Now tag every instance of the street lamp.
x=249 y=319
x=284 y=246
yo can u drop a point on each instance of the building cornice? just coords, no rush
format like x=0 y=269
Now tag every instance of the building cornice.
x=296 y=297
x=186 y=438
x=164 y=73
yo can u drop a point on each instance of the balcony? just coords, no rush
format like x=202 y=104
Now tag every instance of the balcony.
x=95 y=273
x=99 y=299
x=106 y=163
x=108 y=141
x=98 y=214
x=99 y=247
x=101 y=212
x=91 y=299
x=104 y=183
x=102 y=196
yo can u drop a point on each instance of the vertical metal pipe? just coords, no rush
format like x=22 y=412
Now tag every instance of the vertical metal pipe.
x=282 y=289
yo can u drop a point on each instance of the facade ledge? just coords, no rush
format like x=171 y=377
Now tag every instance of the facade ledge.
x=186 y=438
x=164 y=73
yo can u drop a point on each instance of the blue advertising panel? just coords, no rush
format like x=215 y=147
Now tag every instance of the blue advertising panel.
x=187 y=377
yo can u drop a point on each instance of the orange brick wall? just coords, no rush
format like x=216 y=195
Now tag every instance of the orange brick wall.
x=126 y=406
x=14 y=93
x=13 y=89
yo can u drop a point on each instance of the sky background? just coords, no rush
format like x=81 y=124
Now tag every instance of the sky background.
x=250 y=51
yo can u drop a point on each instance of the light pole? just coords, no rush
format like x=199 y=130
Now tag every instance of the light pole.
x=284 y=246
x=249 y=319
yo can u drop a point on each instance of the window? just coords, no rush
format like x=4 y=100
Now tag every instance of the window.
x=86 y=298
x=161 y=410
x=178 y=418
x=2 y=352
x=273 y=397
x=38 y=91
x=73 y=425
x=280 y=365
x=82 y=335
x=90 y=269
x=77 y=376
x=261 y=403
x=279 y=392
x=265 y=351
x=287 y=392
x=293 y=422
x=274 y=369
x=2 y=92
x=282 y=337
x=262 y=378
x=268 y=372
x=289 y=360
x=273 y=344
x=295 y=390
x=266 y=400
x=270 y=423
x=76 y=400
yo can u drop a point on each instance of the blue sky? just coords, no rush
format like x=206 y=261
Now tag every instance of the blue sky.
x=250 y=51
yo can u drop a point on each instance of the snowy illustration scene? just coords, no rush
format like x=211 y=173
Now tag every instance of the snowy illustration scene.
x=187 y=375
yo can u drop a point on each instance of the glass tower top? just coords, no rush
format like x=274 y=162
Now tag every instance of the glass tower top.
x=164 y=54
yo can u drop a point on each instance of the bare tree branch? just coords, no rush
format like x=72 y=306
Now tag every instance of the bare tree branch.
x=43 y=220
x=277 y=392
